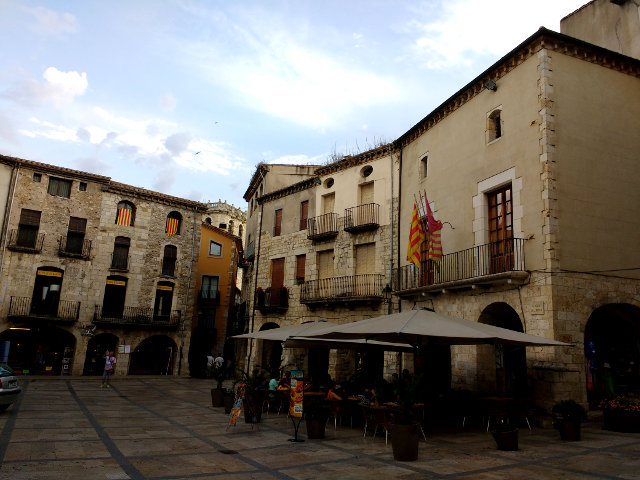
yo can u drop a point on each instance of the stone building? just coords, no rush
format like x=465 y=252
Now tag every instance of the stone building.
x=532 y=168
x=89 y=264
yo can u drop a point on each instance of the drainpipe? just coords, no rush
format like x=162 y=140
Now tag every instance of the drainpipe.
x=186 y=298
x=391 y=224
x=5 y=221
x=255 y=288
x=399 y=209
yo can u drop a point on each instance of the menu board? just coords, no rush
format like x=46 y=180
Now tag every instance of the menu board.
x=297 y=393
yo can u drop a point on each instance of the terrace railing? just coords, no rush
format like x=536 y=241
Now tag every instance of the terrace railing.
x=62 y=311
x=342 y=289
x=74 y=247
x=25 y=240
x=322 y=227
x=137 y=317
x=362 y=218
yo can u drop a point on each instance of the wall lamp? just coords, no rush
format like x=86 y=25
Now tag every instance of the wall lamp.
x=491 y=85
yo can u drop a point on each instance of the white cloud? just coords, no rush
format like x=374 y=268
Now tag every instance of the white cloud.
x=60 y=88
x=50 y=22
x=168 y=102
x=300 y=159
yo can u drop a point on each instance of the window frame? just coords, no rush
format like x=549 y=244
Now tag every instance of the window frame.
x=126 y=205
x=277 y=222
x=494 y=130
x=211 y=243
x=304 y=214
x=301 y=261
x=59 y=187
x=173 y=215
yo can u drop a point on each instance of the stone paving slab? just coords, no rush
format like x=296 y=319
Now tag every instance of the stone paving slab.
x=165 y=428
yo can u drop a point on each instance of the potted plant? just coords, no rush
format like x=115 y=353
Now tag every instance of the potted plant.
x=254 y=394
x=621 y=414
x=216 y=372
x=567 y=416
x=316 y=414
x=505 y=435
x=404 y=427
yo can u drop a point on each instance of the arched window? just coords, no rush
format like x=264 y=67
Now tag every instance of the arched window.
x=231 y=227
x=207 y=220
x=126 y=214
x=169 y=260
x=494 y=125
x=174 y=223
x=240 y=231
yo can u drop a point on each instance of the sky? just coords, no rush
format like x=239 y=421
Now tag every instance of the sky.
x=186 y=97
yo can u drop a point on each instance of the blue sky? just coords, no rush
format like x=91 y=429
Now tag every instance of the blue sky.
x=134 y=89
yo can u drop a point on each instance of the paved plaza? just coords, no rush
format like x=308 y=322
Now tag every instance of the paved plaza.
x=165 y=428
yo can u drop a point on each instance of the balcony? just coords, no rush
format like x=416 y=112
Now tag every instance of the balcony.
x=208 y=297
x=323 y=227
x=119 y=262
x=250 y=253
x=350 y=290
x=272 y=300
x=74 y=247
x=362 y=218
x=25 y=240
x=62 y=312
x=135 y=317
x=479 y=266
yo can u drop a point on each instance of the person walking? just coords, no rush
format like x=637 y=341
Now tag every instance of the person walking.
x=109 y=364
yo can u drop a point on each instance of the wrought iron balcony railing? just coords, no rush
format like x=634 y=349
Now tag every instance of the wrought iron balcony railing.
x=136 y=317
x=476 y=264
x=64 y=311
x=272 y=299
x=76 y=247
x=208 y=296
x=362 y=218
x=323 y=226
x=366 y=287
x=120 y=262
x=25 y=240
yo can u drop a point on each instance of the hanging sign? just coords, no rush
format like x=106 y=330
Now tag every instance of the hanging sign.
x=297 y=393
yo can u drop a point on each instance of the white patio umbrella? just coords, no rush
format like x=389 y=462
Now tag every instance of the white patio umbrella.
x=423 y=327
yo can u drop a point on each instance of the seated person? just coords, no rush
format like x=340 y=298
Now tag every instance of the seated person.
x=331 y=394
x=273 y=386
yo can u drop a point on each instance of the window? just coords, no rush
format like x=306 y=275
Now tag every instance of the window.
x=59 y=187
x=300 y=265
x=207 y=220
x=328 y=202
x=209 y=287
x=240 y=231
x=277 y=224
x=174 y=223
x=423 y=166
x=366 y=171
x=82 y=186
x=215 y=249
x=120 y=257
x=37 y=177
x=162 y=304
x=126 y=214
x=115 y=292
x=223 y=226
x=75 y=235
x=501 y=229
x=366 y=193
x=28 y=228
x=328 y=183
x=169 y=260
x=231 y=227
x=304 y=214
x=46 y=291
x=494 y=125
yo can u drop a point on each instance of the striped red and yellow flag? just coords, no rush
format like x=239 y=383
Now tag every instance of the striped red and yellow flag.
x=416 y=237
x=124 y=217
x=433 y=236
x=172 y=226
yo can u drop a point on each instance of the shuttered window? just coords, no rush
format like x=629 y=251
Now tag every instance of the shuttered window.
x=59 y=187
x=30 y=218
x=277 y=226
x=304 y=214
x=169 y=260
x=300 y=265
x=77 y=225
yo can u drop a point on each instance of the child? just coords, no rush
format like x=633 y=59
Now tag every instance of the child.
x=109 y=363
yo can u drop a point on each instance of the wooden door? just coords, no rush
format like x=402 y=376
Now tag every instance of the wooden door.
x=500 y=230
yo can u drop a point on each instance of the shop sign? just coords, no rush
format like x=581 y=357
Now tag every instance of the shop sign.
x=120 y=283
x=49 y=273
x=297 y=393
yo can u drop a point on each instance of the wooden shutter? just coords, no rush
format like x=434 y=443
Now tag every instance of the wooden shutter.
x=170 y=251
x=30 y=217
x=77 y=225
x=300 y=264
x=277 y=273
x=304 y=213
x=277 y=228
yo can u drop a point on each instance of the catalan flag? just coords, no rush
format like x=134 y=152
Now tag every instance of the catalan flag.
x=124 y=217
x=172 y=226
x=416 y=237
x=433 y=236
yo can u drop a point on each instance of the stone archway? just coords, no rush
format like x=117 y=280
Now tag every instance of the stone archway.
x=612 y=351
x=502 y=369
x=155 y=355
x=39 y=350
x=97 y=346
x=271 y=352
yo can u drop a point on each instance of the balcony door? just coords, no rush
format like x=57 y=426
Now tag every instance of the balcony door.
x=164 y=298
x=365 y=269
x=365 y=214
x=277 y=281
x=325 y=273
x=500 y=230
x=115 y=292
x=46 y=291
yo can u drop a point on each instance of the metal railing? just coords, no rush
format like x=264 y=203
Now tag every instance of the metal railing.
x=119 y=262
x=136 y=316
x=61 y=310
x=349 y=287
x=74 y=247
x=272 y=297
x=362 y=217
x=209 y=296
x=25 y=240
x=322 y=226
x=479 y=261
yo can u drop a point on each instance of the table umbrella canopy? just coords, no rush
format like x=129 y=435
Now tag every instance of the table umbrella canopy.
x=426 y=327
x=295 y=336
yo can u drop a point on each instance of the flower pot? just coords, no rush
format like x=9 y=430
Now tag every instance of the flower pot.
x=216 y=397
x=315 y=427
x=569 y=430
x=228 y=403
x=404 y=442
x=507 y=440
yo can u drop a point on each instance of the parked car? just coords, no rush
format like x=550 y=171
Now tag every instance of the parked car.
x=9 y=389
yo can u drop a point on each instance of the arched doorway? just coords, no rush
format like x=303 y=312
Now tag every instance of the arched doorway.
x=271 y=352
x=96 y=349
x=612 y=351
x=154 y=356
x=39 y=350
x=502 y=369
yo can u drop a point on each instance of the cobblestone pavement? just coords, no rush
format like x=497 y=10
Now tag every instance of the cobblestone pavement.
x=165 y=428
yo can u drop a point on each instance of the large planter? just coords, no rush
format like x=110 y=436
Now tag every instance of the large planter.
x=506 y=440
x=569 y=430
x=228 y=403
x=217 y=395
x=315 y=427
x=621 y=421
x=404 y=442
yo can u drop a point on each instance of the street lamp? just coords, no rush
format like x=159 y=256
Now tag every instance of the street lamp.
x=386 y=292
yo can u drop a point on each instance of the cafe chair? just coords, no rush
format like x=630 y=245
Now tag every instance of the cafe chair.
x=334 y=407
x=381 y=419
x=367 y=417
x=417 y=415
